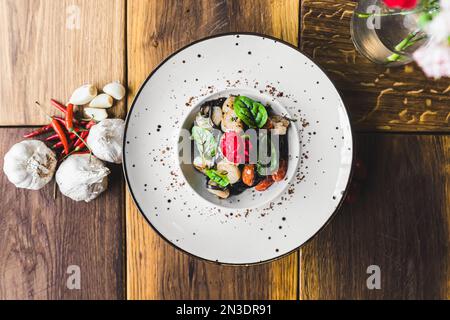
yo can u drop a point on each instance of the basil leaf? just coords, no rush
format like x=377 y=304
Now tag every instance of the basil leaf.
x=218 y=178
x=243 y=113
x=205 y=141
x=251 y=112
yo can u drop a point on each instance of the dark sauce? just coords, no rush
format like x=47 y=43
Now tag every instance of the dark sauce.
x=214 y=103
x=237 y=188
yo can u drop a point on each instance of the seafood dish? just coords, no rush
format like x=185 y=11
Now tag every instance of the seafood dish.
x=238 y=143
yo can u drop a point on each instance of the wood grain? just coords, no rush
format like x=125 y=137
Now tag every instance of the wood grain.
x=40 y=237
x=46 y=53
x=155 y=270
x=379 y=98
x=400 y=223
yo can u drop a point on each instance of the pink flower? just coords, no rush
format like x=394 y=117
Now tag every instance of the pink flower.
x=401 y=4
x=439 y=27
x=445 y=4
x=434 y=59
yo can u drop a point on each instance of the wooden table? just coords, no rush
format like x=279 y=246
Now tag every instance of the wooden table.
x=401 y=221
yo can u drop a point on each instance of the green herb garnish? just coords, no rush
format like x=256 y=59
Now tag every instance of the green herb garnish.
x=217 y=177
x=251 y=112
x=205 y=141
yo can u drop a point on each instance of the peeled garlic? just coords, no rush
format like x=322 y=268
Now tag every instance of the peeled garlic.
x=83 y=95
x=82 y=177
x=103 y=101
x=106 y=140
x=29 y=164
x=96 y=114
x=115 y=90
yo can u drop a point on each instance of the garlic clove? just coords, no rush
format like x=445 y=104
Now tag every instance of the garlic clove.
x=102 y=101
x=115 y=90
x=96 y=114
x=83 y=95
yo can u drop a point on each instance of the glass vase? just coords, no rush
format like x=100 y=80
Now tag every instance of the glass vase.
x=386 y=36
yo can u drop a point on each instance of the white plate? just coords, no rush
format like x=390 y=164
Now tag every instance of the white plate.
x=273 y=70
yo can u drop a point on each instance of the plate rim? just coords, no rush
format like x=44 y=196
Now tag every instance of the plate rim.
x=127 y=120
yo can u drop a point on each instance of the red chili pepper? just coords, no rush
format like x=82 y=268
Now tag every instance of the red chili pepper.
x=63 y=120
x=58 y=105
x=81 y=143
x=90 y=124
x=59 y=119
x=82 y=152
x=83 y=136
x=52 y=137
x=39 y=131
x=57 y=145
x=69 y=117
x=59 y=130
x=80 y=146
x=56 y=136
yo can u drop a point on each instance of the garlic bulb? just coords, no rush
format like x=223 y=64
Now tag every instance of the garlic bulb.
x=29 y=164
x=106 y=140
x=96 y=114
x=83 y=95
x=82 y=177
x=103 y=101
x=115 y=90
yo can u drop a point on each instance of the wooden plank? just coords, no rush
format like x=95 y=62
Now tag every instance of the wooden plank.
x=40 y=237
x=400 y=223
x=379 y=98
x=154 y=269
x=49 y=48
